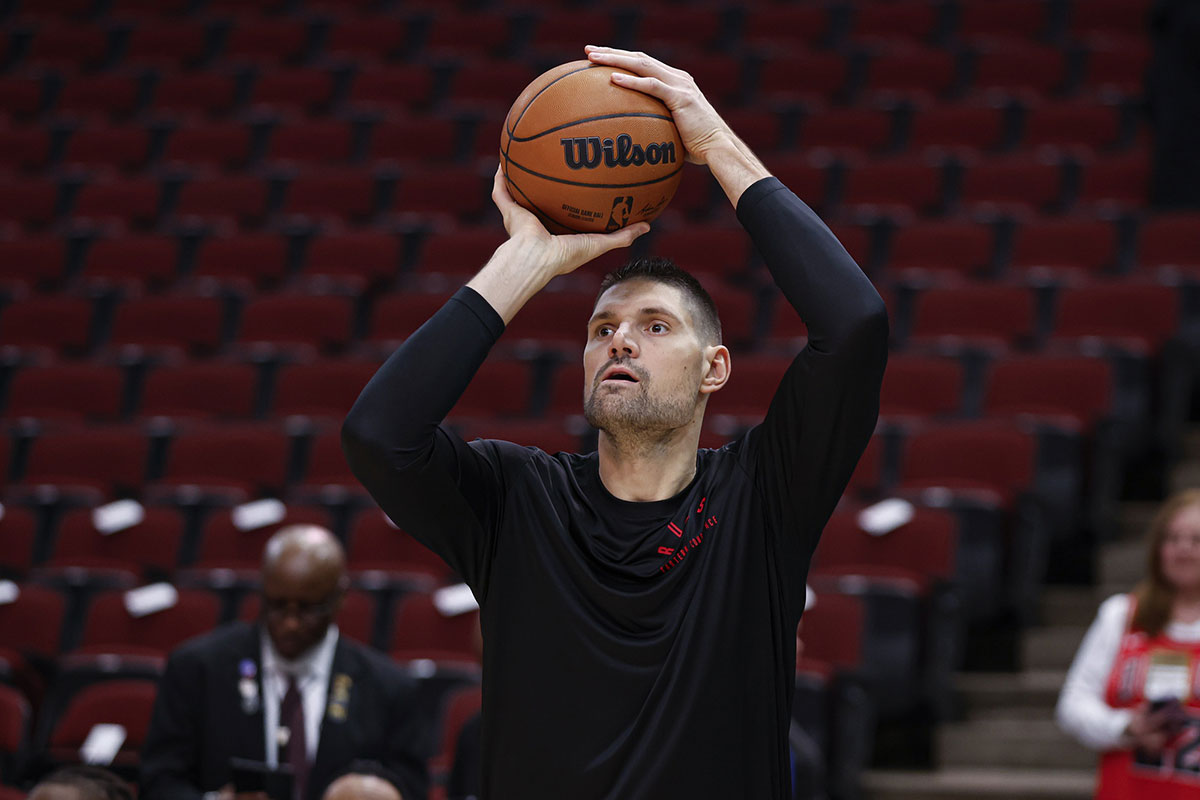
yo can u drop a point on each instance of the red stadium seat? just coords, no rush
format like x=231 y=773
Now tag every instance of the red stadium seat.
x=327 y=466
x=149 y=260
x=104 y=94
x=325 y=141
x=192 y=324
x=18 y=527
x=202 y=92
x=1065 y=245
x=458 y=707
x=807 y=177
x=322 y=388
x=414 y=140
x=833 y=630
x=395 y=316
x=33 y=622
x=1117 y=64
x=1015 y=19
x=322 y=322
x=22 y=96
x=1078 y=125
x=553 y=317
x=1017 y=68
x=66 y=391
x=898 y=186
x=376 y=544
x=109 y=627
x=301 y=90
x=1142 y=316
x=662 y=28
x=923 y=549
x=912 y=72
x=253 y=258
x=165 y=44
x=15 y=718
x=889 y=21
x=217 y=144
x=99 y=462
x=990 y=462
x=499 y=389
x=1110 y=17
x=456 y=192
x=224 y=546
x=150 y=545
x=706 y=249
x=458 y=251
x=785 y=26
x=367 y=37
x=266 y=41
x=957 y=127
x=941 y=247
x=988 y=315
x=919 y=386
x=1078 y=390
x=467 y=34
x=847 y=129
x=26 y=148
x=345 y=194
x=30 y=203
x=491 y=81
x=554 y=435
x=1120 y=180
x=357 y=259
x=396 y=87
x=1015 y=184
x=115 y=147
x=68 y=47
x=815 y=76
x=235 y=460
x=62 y=324
x=1170 y=239
x=130 y=201
x=32 y=263
x=422 y=631
x=563 y=31
x=237 y=198
x=128 y=703
x=867 y=478
x=750 y=388
x=200 y=390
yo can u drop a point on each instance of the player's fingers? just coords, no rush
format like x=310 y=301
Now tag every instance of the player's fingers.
x=603 y=242
x=636 y=62
x=651 y=86
x=503 y=200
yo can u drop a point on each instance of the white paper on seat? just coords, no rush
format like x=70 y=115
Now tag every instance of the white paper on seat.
x=885 y=516
x=451 y=601
x=258 y=514
x=102 y=744
x=151 y=598
x=117 y=516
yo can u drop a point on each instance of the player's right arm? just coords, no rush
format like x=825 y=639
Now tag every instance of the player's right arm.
x=443 y=491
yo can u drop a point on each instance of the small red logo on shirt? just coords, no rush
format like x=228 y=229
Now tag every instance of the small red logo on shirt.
x=677 y=555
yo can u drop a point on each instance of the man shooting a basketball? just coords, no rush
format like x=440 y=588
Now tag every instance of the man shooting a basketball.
x=639 y=604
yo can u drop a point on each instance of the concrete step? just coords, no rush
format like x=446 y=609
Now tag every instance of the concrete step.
x=1051 y=647
x=986 y=692
x=1068 y=605
x=980 y=784
x=1122 y=562
x=1012 y=743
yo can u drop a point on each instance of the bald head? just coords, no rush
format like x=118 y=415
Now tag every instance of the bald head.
x=361 y=787
x=304 y=578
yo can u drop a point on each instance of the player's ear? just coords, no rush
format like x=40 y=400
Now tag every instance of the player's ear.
x=719 y=367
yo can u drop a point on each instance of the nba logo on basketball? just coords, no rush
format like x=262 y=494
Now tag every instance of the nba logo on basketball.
x=622 y=206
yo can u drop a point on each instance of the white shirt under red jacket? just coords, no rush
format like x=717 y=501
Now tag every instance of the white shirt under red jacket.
x=1117 y=670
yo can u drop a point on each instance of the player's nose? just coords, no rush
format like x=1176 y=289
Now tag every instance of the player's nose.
x=623 y=343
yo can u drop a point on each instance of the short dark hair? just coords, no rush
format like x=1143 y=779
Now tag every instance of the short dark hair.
x=666 y=271
x=95 y=782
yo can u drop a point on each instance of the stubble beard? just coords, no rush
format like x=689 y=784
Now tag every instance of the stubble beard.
x=635 y=418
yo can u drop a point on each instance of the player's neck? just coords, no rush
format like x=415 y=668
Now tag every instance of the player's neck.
x=641 y=470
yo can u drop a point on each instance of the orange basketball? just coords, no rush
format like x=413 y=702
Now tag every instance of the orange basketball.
x=586 y=155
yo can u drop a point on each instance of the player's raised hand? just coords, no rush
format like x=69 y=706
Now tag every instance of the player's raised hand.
x=557 y=255
x=699 y=124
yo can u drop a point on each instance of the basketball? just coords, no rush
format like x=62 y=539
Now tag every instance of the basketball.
x=586 y=155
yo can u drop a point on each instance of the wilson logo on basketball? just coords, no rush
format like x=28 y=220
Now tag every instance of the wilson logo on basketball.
x=586 y=152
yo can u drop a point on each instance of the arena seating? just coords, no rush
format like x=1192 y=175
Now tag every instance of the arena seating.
x=218 y=217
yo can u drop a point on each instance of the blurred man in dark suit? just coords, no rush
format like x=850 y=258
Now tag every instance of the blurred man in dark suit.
x=288 y=695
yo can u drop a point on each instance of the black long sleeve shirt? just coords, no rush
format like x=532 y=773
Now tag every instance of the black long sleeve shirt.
x=636 y=650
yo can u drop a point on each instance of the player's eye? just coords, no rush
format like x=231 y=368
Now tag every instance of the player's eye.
x=658 y=327
x=603 y=330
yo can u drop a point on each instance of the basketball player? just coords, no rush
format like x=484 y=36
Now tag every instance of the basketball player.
x=639 y=604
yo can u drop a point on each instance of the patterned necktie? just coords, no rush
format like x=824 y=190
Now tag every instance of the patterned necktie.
x=291 y=716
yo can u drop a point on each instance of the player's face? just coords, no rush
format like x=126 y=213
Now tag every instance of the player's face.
x=644 y=361
x=1181 y=550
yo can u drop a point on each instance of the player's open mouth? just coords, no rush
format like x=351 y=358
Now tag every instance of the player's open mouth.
x=618 y=374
